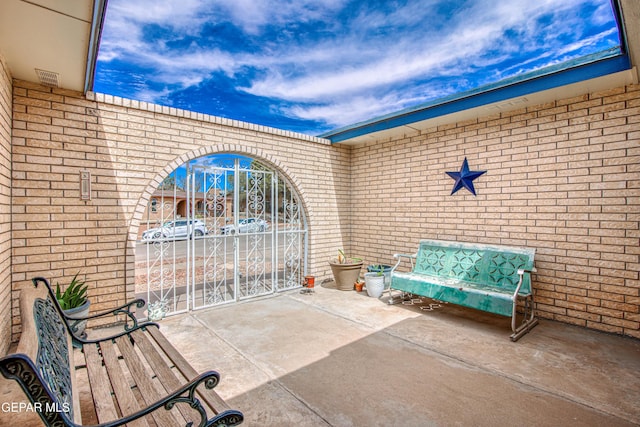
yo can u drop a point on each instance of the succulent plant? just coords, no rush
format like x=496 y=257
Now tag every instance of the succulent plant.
x=74 y=296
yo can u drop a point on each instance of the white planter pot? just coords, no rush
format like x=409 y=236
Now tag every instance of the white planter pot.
x=374 y=268
x=375 y=284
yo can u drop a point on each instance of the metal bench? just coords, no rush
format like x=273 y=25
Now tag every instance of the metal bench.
x=136 y=376
x=490 y=278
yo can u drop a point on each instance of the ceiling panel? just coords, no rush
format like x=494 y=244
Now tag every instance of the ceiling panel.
x=47 y=35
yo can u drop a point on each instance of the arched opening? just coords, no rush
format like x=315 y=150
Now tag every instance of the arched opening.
x=220 y=229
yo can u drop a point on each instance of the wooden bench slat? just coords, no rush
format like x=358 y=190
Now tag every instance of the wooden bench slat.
x=165 y=374
x=143 y=380
x=126 y=399
x=100 y=385
x=210 y=396
x=181 y=363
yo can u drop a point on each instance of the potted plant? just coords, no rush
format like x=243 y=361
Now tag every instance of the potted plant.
x=374 y=281
x=74 y=302
x=345 y=270
x=385 y=268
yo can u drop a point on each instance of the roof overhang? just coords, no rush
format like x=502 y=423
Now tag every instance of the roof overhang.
x=52 y=42
x=601 y=71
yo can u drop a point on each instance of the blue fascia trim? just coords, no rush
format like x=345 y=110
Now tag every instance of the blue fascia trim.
x=95 y=35
x=564 y=77
x=622 y=31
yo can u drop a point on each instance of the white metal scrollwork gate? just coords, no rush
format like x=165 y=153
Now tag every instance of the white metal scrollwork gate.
x=227 y=232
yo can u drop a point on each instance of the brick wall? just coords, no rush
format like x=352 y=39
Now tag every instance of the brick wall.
x=563 y=178
x=5 y=206
x=130 y=147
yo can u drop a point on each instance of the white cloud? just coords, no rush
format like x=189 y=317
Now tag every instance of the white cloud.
x=348 y=86
x=349 y=110
x=353 y=72
x=181 y=15
x=253 y=15
x=579 y=45
x=357 y=65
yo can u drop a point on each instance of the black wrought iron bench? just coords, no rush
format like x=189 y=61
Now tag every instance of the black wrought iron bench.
x=136 y=376
x=490 y=278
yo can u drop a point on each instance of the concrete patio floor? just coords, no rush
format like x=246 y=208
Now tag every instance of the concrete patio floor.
x=340 y=358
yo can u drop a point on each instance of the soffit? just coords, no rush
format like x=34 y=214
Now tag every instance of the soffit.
x=49 y=35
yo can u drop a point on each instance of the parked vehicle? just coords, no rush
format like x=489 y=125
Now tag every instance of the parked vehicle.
x=249 y=225
x=179 y=229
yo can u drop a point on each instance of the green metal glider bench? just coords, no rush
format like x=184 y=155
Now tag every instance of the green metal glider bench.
x=490 y=278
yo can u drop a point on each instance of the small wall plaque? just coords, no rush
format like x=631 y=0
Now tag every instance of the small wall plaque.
x=85 y=185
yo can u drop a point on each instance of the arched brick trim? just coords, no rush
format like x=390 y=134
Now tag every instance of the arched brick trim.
x=179 y=161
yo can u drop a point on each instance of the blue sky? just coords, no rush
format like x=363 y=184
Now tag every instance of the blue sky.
x=314 y=66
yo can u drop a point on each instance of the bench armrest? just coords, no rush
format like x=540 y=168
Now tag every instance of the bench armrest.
x=405 y=255
x=521 y=273
x=411 y=257
x=82 y=340
x=130 y=324
x=124 y=309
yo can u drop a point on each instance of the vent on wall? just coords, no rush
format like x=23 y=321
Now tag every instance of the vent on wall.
x=48 y=78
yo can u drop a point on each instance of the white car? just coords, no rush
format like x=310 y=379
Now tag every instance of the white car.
x=249 y=225
x=178 y=229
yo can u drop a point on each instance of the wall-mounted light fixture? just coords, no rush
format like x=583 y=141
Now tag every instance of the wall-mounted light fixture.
x=85 y=185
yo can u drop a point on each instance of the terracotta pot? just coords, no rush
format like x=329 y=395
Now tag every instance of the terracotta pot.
x=309 y=281
x=358 y=286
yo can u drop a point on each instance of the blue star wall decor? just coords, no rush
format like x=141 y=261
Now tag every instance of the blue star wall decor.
x=464 y=178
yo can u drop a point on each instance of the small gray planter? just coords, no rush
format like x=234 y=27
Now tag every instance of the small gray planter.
x=80 y=312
